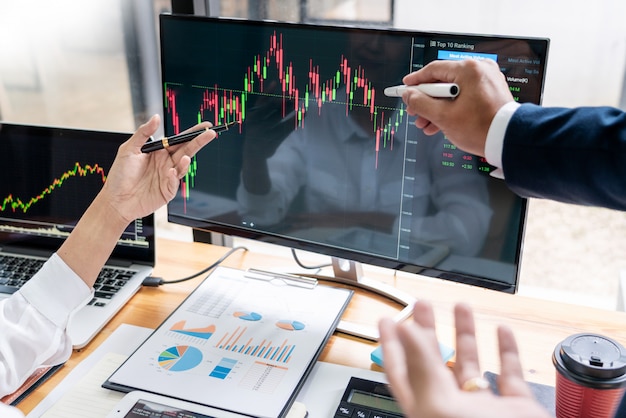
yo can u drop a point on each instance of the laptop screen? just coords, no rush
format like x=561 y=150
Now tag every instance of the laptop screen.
x=51 y=175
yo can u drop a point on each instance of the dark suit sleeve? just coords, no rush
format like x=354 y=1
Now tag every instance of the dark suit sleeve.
x=570 y=155
x=621 y=408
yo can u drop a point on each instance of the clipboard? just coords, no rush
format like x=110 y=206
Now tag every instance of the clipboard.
x=238 y=342
x=38 y=377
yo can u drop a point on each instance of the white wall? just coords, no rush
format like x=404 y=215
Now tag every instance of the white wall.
x=588 y=38
x=63 y=63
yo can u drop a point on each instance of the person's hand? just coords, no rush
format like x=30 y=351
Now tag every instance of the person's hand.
x=425 y=387
x=138 y=183
x=465 y=120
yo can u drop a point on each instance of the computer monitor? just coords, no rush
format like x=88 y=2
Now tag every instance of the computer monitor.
x=322 y=161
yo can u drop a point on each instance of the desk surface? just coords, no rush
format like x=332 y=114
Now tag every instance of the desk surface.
x=539 y=325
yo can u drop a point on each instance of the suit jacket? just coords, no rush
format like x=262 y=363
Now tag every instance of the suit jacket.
x=570 y=155
x=621 y=409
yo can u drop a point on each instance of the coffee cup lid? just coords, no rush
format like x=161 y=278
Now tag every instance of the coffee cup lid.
x=592 y=356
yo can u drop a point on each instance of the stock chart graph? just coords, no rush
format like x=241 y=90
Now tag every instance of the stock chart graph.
x=273 y=87
x=321 y=159
x=226 y=104
x=52 y=176
x=12 y=203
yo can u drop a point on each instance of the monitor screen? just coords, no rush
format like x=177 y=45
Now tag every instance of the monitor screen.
x=322 y=161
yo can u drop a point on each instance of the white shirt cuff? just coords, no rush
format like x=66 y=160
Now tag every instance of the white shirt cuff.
x=56 y=291
x=495 y=137
x=7 y=411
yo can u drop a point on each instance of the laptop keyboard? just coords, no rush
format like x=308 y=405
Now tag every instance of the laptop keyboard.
x=16 y=270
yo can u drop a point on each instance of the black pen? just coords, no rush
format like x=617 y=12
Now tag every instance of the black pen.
x=166 y=142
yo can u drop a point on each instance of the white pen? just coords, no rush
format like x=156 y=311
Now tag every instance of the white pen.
x=449 y=90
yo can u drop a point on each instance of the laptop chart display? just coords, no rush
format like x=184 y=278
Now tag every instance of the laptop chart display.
x=53 y=175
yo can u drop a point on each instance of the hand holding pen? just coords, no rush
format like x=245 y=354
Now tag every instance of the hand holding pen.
x=166 y=142
x=440 y=90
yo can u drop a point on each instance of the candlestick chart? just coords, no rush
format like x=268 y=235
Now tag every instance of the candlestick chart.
x=321 y=160
x=295 y=90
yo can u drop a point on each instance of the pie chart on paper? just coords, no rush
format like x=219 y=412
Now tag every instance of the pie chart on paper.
x=180 y=358
x=290 y=325
x=248 y=316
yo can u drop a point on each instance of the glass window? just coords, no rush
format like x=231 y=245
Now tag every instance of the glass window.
x=374 y=11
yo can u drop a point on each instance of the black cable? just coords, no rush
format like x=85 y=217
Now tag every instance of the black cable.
x=156 y=281
x=295 y=257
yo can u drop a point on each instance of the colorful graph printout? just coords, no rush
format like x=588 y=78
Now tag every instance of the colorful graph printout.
x=180 y=358
x=248 y=316
x=264 y=349
x=223 y=368
x=246 y=363
x=290 y=325
x=204 y=333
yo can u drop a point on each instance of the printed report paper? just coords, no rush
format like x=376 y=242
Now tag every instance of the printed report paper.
x=236 y=343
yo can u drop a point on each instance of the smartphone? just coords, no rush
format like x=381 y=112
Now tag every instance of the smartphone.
x=139 y=404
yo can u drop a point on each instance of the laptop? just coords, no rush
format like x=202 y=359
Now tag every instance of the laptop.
x=50 y=176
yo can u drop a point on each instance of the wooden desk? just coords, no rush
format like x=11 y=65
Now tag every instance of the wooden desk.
x=539 y=325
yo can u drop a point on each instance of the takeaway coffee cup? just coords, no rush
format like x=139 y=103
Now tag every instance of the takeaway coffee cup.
x=591 y=376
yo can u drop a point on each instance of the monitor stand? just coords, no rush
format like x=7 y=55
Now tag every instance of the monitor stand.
x=351 y=273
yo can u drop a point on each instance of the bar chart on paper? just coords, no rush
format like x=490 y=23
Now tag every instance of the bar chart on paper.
x=262 y=348
x=223 y=368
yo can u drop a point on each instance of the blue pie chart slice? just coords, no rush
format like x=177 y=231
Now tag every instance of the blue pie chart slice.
x=290 y=325
x=248 y=316
x=180 y=358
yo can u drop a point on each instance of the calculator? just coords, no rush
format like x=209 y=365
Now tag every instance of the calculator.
x=367 y=399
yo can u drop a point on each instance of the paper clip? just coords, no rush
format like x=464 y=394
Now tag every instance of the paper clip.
x=286 y=278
